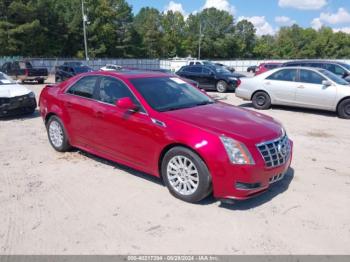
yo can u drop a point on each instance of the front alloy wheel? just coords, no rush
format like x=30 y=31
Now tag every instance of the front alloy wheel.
x=186 y=175
x=182 y=175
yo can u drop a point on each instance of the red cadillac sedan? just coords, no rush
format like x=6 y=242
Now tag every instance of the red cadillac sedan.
x=159 y=124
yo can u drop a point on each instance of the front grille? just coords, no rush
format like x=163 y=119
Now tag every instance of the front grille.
x=276 y=152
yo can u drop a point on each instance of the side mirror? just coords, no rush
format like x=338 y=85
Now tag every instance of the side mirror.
x=126 y=104
x=326 y=83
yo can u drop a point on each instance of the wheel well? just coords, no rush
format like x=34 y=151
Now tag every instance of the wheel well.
x=48 y=116
x=169 y=147
x=345 y=98
x=259 y=91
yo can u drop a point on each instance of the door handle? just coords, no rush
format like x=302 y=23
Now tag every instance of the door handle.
x=267 y=83
x=99 y=114
x=301 y=87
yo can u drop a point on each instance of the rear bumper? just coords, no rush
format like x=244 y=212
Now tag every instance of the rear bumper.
x=18 y=107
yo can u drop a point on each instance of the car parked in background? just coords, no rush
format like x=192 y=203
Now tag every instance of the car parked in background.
x=160 y=125
x=67 y=71
x=24 y=71
x=15 y=99
x=263 y=67
x=229 y=68
x=252 y=69
x=300 y=87
x=338 y=68
x=111 y=67
x=210 y=77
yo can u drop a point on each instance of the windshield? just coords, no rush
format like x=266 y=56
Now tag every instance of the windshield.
x=334 y=78
x=169 y=93
x=5 y=80
x=347 y=66
x=82 y=69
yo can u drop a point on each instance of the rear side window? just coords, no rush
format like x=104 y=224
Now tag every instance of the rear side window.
x=311 y=77
x=85 y=87
x=284 y=75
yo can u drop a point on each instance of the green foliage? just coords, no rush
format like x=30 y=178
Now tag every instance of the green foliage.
x=54 y=28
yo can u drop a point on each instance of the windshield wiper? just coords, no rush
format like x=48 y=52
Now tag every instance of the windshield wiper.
x=205 y=103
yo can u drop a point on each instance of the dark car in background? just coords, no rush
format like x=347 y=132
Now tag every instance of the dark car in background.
x=210 y=77
x=24 y=71
x=339 y=68
x=264 y=67
x=70 y=69
x=252 y=69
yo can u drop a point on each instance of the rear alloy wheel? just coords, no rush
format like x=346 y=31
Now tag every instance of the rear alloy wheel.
x=221 y=86
x=261 y=100
x=57 y=134
x=344 y=109
x=186 y=175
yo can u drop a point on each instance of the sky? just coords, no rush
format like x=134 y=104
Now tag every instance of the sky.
x=266 y=15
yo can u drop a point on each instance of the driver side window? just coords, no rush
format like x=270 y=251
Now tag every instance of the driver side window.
x=111 y=90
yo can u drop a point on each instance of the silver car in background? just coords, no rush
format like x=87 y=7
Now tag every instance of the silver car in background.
x=300 y=87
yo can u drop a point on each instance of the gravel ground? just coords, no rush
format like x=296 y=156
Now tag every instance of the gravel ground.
x=75 y=203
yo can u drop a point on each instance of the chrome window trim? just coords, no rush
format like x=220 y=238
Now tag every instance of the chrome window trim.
x=91 y=99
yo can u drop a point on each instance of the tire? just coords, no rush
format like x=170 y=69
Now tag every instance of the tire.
x=221 y=86
x=176 y=168
x=57 y=134
x=261 y=100
x=344 y=109
x=41 y=81
x=58 y=80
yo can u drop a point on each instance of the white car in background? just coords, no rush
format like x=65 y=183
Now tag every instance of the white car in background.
x=300 y=87
x=15 y=99
x=110 y=67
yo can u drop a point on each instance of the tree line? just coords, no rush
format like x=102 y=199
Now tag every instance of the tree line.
x=53 y=28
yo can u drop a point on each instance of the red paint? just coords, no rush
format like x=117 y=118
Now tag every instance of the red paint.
x=264 y=67
x=135 y=140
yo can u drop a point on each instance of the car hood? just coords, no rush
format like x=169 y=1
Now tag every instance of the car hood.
x=8 y=91
x=241 y=124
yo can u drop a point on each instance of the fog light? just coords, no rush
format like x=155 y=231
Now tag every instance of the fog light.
x=247 y=186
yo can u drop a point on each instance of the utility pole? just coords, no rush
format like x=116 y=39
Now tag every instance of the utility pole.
x=200 y=40
x=84 y=28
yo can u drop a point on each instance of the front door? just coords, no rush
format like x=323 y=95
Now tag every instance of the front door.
x=312 y=93
x=123 y=135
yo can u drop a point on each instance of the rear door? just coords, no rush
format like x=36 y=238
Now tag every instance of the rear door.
x=282 y=86
x=207 y=79
x=311 y=93
x=79 y=103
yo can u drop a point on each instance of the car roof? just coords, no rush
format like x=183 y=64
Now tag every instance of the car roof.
x=314 y=61
x=132 y=74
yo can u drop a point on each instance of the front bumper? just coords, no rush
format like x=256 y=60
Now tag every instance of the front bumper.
x=17 y=105
x=244 y=182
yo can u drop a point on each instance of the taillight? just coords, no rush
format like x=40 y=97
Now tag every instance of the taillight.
x=26 y=72
x=238 y=82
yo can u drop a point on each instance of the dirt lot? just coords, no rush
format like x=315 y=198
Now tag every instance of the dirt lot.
x=75 y=203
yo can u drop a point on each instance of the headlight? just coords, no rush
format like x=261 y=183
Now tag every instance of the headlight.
x=237 y=152
x=31 y=95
